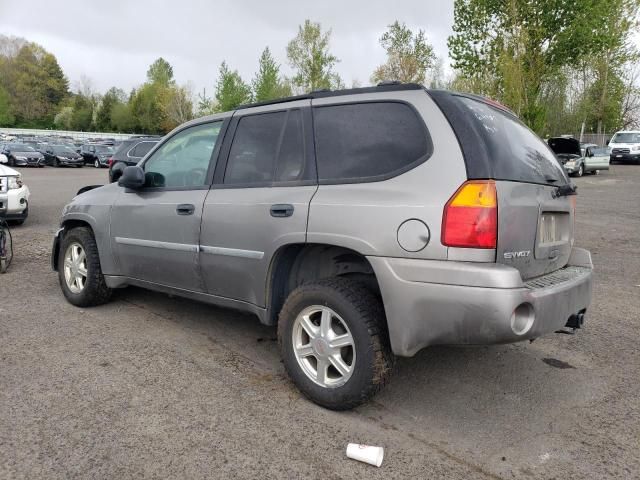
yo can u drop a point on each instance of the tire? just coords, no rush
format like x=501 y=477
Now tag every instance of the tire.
x=352 y=305
x=56 y=163
x=96 y=164
x=580 y=171
x=12 y=162
x=94 y=290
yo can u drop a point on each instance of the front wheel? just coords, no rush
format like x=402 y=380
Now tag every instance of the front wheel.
x=334 y=344
x=96 y=164
x=56 y=163
x=580 y=171
x=79 y=270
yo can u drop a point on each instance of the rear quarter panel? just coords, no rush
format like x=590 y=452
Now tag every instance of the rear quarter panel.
x=365 y=216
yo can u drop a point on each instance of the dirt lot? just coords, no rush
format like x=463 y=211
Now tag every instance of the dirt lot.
x=152 y=386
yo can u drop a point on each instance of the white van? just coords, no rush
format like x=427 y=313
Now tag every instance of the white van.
x=625 y=146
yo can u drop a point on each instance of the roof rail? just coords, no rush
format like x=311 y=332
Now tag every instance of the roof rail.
x=325 y=93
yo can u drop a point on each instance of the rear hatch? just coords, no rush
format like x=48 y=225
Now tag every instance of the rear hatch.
x=536 y=203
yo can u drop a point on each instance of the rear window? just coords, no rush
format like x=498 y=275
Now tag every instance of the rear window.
x=515 y=152
x=142 y=149
x=368 y=141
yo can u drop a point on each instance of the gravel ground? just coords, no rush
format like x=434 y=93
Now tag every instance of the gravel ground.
x=152 y=386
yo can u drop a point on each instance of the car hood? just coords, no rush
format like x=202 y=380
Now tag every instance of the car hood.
x=565 y=146
x=7 y=172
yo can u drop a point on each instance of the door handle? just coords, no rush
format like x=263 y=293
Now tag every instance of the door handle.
x=281 y=210
x=185 y=209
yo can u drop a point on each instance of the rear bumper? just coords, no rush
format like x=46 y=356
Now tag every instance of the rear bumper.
x=443 y=302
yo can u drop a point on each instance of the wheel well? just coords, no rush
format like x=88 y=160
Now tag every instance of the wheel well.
x=68 y=225
x=294 y=265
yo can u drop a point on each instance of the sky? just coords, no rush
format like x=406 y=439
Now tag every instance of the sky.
x=113 y=42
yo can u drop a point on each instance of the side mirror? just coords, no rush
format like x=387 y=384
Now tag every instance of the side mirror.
x=132 y=177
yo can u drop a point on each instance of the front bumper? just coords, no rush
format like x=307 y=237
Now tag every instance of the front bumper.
x=430 y=302
x=71 y=161
x=571 y=169
x=624 y=157
x=29 y=162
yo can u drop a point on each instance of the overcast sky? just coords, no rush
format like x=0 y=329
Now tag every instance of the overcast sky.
x=113 y=42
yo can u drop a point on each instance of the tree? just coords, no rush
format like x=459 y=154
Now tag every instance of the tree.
x=205 y=104
x=179 y=107
x=148 y=107
x=309 y=55
x=409 y=55
x=267 y=84
x=231 y=90
x=62 y=120
x=82 y=115
x=110 y=99
x=122 y=118
x=7 y=118
x=160 y=72
x=513 y=49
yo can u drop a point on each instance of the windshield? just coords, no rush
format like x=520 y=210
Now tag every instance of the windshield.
x=104 y=149
x=62 y=150
x=19 y=147
x=626 y=137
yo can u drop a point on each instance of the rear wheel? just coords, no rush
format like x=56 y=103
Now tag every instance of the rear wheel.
x=79 y=269
x=12 y=162
x=334 y=344
x=56 y=162
x=96 y=163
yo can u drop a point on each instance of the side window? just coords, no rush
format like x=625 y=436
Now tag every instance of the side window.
x=141 y=149
x=363 y=141
x=266 y=148
x=183 y=160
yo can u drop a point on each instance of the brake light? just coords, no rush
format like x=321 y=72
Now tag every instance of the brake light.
x=110 y=162
x=470 y=216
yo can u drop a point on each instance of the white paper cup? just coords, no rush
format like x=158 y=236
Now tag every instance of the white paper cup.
x=365 y=453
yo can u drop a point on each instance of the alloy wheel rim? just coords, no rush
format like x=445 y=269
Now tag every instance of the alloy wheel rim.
x=75 y=267
x=323 y=346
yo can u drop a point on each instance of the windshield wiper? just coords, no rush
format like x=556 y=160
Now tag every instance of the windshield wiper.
x=566 y=190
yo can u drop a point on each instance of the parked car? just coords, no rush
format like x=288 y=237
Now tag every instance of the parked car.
x=596 y=158
x=625 y=147
x=14 y=195
x=96 y=154
x=62 y=156
x=130 y=152
x=363 y=222
x=19 y=154
x=576 y=158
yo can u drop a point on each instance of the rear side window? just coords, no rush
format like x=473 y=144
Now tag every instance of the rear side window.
x=368 y=141
x=267 y=148
x=142 y=149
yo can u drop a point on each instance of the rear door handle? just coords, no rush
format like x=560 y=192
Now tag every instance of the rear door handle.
x=281 y=210
x=185 y=209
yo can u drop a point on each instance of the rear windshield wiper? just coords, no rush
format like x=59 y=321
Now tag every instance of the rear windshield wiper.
x=566 y=190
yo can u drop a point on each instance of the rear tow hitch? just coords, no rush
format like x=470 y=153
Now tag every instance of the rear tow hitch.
x=574 y=322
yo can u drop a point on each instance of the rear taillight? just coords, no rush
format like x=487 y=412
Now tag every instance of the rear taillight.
x=110 y=162
x=470 y=216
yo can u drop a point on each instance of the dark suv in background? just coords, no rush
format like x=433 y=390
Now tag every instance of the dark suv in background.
x=97 y=155
x=129 y=153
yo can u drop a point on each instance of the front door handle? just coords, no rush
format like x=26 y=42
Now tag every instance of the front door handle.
x=281 y=210
x=185 y=209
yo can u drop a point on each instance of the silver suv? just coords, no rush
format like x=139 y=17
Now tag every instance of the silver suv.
x=366 y=224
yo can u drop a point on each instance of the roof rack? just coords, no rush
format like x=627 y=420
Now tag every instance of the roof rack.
x=324 y=93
